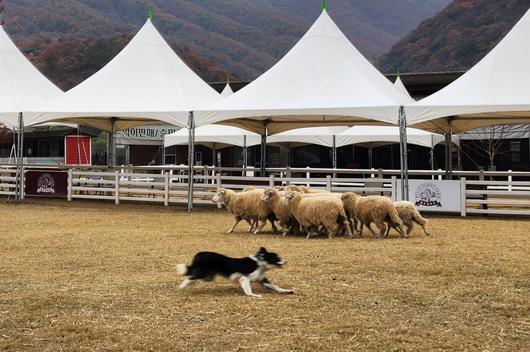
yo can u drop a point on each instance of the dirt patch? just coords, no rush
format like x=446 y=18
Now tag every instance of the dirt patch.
x=98 y=277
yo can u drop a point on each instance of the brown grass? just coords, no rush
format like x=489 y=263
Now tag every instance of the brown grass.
x=97 y=277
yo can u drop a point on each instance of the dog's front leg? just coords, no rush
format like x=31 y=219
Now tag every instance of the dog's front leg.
x=269 y=285
x=245 y=285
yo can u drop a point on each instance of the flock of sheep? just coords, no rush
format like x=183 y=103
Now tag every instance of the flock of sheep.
x=299 y=209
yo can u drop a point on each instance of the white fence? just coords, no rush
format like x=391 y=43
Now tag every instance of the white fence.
x=7 y=180
x=497 y=193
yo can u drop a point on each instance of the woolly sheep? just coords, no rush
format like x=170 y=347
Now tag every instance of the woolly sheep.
x=409 y=214
x=377 y=209
x=312 y=213
x=275 y=200
x=246 y=206
x=305 y=189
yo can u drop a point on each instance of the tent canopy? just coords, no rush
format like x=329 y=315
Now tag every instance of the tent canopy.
x=221 y=136
x=401 y=87
x=495 y=91
x=22 y=86
x=322 y=136
x=145 y=83
x=382 y=135
x=323 y=80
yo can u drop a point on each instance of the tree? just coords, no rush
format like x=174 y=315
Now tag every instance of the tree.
x=488 y=142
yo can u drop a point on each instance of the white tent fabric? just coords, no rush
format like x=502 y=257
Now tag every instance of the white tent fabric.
x=22 y=86
x=227 y=91
x=323 y=80
x=401 y=87
x=381 y=135
x=495 y=91
x=222 y=136
x=312 y=135
x=498 y=132
x=145 y=83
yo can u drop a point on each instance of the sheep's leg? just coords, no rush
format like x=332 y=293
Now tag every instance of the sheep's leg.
x=238 y=220
x=382 y=229
x=274 y=228
x=261 y=225
x=358 y=227
x=410 y=226
x=388 y=230
x=333 y=230
x=369 y=228
x=424 y=227
x=252 y=224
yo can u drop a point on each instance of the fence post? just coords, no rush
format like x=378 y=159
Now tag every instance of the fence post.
x=440 y=175
x=219 y=181
x=288 y=175
x=271 y=181
x=166 y=189
x=308 y=176
x=70 y=183
x=117 y=187
x=463 y=197
x=22 y=183
x=328 y=183
x=380 y=173
x=510 y=179
x=394 y=188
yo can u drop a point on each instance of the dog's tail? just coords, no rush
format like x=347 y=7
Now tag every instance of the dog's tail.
x=182 y=269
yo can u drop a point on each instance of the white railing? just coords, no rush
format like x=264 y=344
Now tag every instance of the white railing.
x=495 y=197
x=7 y=180
x=504 y=193
x=34 y=161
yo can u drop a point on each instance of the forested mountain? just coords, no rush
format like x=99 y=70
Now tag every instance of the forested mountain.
x=455 y=39
x=243 y=37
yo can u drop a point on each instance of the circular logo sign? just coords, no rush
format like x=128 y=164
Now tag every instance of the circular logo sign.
x=428 y=195
x=46 y=184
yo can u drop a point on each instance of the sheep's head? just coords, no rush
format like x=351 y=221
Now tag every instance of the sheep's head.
x=349 y=196
x=279 y=188
x=268 y=194
x=248 y=189
x=295 y=188
x=289 y=195
x=220 y=196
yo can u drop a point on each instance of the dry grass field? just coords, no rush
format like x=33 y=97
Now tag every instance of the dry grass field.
x=97 y=277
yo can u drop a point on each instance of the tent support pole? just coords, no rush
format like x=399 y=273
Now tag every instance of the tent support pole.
x=448 y=151
x=111 y=145
x=245 y=155
x=334 y=151
x=263 y=159
x=214 y=155
x=19 y=189
x=191 y=158
x=404 y=152
x=370 y=156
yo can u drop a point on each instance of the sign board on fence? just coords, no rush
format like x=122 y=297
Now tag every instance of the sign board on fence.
x=51 y=184
x=434 y=195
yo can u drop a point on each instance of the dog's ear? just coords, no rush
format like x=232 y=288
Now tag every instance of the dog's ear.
x=262 y=250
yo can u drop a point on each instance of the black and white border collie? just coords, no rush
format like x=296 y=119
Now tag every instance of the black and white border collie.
x=206 y=265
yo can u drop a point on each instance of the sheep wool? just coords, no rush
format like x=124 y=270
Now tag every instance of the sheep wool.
x=312 y=213
x=377 y=209
x=246 y=206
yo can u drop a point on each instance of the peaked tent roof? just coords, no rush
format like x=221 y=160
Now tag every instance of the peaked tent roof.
x=323 y=80
x=495 y=91
x=227 y=91
x=312 y=135
x=146 y=81
x=22 y=86
x=401 y=87
x=222 y=136
x=381 y=135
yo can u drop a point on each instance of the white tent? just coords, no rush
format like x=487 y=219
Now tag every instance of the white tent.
x=145 y=83
x=22 y=86
x=381 y=135
x=217 y=136
x=323 y=80
x=495 y=91
x=323 y=136
x=227 y=91
x=401 y=87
